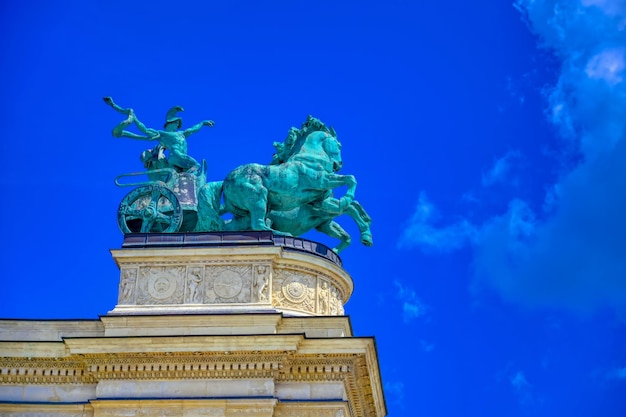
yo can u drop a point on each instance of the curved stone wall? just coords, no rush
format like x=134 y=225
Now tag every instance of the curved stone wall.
x=229 y=273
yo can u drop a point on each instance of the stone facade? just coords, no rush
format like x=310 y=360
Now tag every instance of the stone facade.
x=217 y=279
x=253 y=330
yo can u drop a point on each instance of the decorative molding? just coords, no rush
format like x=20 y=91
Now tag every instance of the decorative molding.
x=309 y=413
x=351 y=369
x=42 y=414
x=229 y=281
x=311 y=410
x=44 y=371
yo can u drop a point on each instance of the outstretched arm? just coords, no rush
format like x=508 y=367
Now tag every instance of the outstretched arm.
x=109 y=100
x=196 y=128
x=119 y=130
x=152 y=133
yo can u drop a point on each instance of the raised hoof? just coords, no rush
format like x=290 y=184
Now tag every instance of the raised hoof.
x=366 y=239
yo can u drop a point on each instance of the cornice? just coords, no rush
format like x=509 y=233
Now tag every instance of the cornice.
x=286 y=359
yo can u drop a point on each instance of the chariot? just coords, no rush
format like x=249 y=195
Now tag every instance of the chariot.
x=290 y=196
x=167 y=202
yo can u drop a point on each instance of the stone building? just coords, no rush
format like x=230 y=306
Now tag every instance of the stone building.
x=207 y=325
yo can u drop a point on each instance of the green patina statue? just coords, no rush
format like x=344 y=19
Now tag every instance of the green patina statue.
x=291 y=195
x=171 y=138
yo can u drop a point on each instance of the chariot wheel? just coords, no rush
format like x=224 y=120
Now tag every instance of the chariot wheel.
x=150 y=209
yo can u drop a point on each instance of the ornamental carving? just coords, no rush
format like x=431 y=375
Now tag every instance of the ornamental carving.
x=351 y=369
x=303 y=412
x=336 y=304
x=194 y=290
x=295 y=290
x=228 y=284
x=261 y=283
x=161 y=285
x=157 y=283
x=43 y=414
x=128 y=282
x=323 y=298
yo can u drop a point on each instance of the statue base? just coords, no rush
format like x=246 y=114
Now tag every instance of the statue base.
x=228 y=272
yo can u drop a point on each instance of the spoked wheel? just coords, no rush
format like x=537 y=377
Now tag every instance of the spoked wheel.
x=150 y=209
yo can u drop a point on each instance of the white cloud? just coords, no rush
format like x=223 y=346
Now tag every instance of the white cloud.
x=427 y=346
x=421 y=230
x=524 y=391
x=607 y=65
x=394 y=392
x=519 y=381
x=571 y=252
x=522 y=388
x=617 y=373
x=501 y=169
x=610 y=7
x=412 y=306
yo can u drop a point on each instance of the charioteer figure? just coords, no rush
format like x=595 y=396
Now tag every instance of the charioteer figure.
x=171 y=138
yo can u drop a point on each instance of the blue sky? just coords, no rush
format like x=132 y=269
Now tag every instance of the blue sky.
x=488 y=139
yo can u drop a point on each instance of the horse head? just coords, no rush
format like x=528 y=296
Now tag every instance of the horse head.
x=332 y=148
x=320 y=148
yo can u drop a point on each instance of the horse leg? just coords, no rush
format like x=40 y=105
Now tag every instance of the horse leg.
x=363 y=222
x=333 y=229
x=332 y=181
x=330 y=207
x=362 y=213
x=257 y=207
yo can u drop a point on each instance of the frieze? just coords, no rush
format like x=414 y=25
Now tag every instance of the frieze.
x=160 y=285
x=194 y=289
x=228 y=284
x=316 y=369
x=294 y=290
x=262 y=283
x=351 y=369
x=128 y=283
x=323 y=297
x=202 y=283
x=189 y=366
x=43 y=371
x=336 y=306
x=342 y=290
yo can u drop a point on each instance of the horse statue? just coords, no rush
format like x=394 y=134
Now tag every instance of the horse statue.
x=320 y=216
x=303 y=175
x=290 y=196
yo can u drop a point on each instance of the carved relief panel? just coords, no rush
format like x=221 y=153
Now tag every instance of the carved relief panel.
x=161 y=285
x=323 y=297
x=128 y=283
x=228 y=284
x=194 y=288
x=295 y=289
x=199 y=284
x=335 y=302
x=261 y=283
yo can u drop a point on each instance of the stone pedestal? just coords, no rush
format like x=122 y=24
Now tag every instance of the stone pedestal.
x=229 y=272
x=211 y=325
